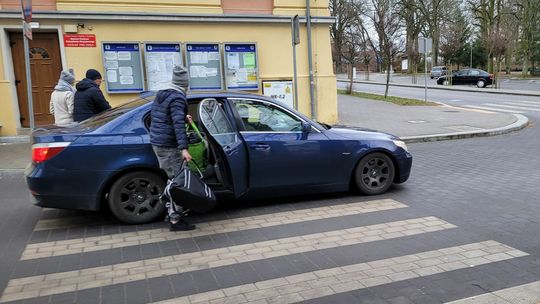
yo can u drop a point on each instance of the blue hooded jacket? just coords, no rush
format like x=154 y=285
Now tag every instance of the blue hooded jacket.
x=168 y=120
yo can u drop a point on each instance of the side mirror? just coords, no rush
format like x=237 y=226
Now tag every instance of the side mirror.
x=306 y=127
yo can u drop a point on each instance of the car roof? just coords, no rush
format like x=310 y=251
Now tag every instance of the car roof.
x=215 y=94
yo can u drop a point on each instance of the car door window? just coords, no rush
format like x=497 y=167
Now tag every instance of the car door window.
x=463 y=73
x=474 y=73
x=263 y=117
x=216 y=122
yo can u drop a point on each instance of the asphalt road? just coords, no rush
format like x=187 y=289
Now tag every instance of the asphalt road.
x=505 y=82
x=473 y=100
x=465 y=224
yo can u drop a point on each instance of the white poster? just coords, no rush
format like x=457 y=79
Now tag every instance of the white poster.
x=124 y=56
x=126 y=71
x=233 y=61
x=126 y=80
x=280 y=90
x=111 y=64
x=112 y=76
x=199 y=57
x=111 y=56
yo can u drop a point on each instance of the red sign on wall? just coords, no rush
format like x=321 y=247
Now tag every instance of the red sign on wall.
x=79 y=40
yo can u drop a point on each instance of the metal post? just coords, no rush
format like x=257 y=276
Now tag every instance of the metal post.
x=425 y=69
x=310 y=62
x=295 y=74
x=471 y=55
x=28 y=80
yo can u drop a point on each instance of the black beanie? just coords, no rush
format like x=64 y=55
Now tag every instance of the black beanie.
x=93 y=74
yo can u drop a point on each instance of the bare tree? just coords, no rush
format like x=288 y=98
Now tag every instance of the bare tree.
x=528 y=13
x=346 y=13
x=454 y=35
x=434 y=14
x=409 y=13
x=386 y=22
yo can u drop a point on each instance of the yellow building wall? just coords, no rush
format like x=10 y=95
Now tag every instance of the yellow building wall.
x=156 y=6
x=7 y=112
x=298 y=7
x=273 y=40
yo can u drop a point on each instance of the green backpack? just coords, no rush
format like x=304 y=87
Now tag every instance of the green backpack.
x=197 y=147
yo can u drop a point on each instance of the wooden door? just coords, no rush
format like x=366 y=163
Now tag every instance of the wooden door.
x=45 y=65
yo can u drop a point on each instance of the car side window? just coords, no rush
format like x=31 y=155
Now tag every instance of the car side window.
x=474 y=73
x=263 y=117
x=215 y=120
x=463 y=73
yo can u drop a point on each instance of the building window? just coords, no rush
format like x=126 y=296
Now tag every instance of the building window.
x=39 y=53
x=253 y=7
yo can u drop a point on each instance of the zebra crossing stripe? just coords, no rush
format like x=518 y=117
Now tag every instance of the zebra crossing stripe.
x=527 y=293
x=120 y=240
x=62 y=282
x=526 y=102
x=521 y=104
x=316 y=284
x=512 y=107
x=492 y=109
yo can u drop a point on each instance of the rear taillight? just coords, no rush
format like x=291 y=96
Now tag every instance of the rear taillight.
x=46 y=151
x=491 y=76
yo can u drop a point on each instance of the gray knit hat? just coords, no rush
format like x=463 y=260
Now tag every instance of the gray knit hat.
x=180 y=77
x=67 y=77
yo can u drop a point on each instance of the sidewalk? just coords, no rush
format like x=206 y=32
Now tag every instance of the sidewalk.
x=397 y=81
x=412 y=123
x=424 y=123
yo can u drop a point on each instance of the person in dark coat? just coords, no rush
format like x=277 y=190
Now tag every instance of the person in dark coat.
x=89 y=99
x=169 y=139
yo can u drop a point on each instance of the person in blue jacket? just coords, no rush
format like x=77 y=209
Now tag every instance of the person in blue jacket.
x=89 y=99
x=169 y=139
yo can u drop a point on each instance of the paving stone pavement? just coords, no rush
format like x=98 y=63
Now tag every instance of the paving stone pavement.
x=462 y=229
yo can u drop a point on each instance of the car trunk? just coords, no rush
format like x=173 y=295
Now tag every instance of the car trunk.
x=54 y=133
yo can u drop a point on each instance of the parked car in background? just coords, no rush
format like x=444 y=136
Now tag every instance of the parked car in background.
x=476 y=77
x=258 y=148
x=437 y=71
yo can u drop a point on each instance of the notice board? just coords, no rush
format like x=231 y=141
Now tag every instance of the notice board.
x=160 y=59
x=204 y=65
x=241 y=66
x=123 y=67
x=280 y=90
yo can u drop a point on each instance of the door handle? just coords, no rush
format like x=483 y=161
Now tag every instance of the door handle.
x=260 y=147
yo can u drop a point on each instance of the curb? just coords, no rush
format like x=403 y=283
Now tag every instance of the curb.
x=518 y=93
x=522 y=122
x=10 y=172
x=15 y=139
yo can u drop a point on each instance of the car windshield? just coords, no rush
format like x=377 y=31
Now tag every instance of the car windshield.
x=109 y=115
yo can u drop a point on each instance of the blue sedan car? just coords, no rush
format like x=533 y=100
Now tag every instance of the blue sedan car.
x=258 y=147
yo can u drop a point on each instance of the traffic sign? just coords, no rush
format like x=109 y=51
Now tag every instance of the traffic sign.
x=27 y=30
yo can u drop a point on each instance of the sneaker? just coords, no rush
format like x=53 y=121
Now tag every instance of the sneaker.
x=182 y=225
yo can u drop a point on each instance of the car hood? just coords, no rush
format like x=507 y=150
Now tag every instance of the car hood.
x=359 y=134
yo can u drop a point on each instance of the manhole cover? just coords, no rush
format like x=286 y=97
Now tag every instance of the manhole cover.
x=416 y=121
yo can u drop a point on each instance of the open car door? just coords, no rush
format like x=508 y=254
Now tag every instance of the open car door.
x=227 y=145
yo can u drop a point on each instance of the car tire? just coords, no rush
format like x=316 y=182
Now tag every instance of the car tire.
x=134 y=197
x=374 y=174
x=445 y=82
x=481 y=83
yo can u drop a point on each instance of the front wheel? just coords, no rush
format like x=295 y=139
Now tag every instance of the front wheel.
x=374 y=174
x=481 y=83
x=134 y=197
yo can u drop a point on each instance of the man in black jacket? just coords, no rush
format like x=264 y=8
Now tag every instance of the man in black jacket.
x=89 y=99
x=168 y=136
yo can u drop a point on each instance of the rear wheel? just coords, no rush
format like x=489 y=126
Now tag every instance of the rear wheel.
x=374 y=174
x=134 y=197
x=445 y=82
x=481 y=83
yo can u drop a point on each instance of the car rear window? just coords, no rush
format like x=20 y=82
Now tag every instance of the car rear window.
x=103 y=118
